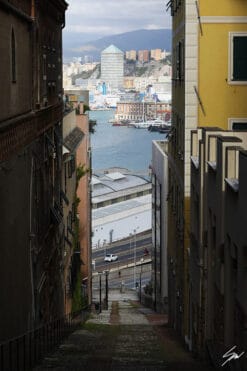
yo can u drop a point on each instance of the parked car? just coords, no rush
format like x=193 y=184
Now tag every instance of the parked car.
x=110 y=258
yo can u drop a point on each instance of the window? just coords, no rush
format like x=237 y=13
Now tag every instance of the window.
x=237 y=71
x=69 y=220
x=13 y=56
x=237 y=124
x=71 y=166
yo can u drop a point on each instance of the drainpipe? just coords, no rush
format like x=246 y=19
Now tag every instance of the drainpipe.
x=31 y=236
x=33 y=9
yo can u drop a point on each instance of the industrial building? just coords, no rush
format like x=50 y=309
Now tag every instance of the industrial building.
x=121 y=204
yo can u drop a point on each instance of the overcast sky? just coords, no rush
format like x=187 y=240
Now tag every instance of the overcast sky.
x=94 y=19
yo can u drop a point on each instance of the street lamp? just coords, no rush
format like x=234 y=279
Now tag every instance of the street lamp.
x=100 y=274
x=134 y=231
x=134 y=257
x=130 y=241
x=110 y=235
x=106 y=289
x=142 y=260
x=104 y=243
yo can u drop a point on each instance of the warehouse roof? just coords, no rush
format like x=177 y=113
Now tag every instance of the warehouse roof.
x=114 y=182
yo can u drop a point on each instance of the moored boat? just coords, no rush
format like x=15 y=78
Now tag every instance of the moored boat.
x=121 y=123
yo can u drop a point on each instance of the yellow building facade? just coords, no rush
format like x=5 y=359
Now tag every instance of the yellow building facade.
x=222 y=73
x=209 y=89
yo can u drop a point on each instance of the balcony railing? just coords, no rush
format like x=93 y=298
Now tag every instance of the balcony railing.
x=24 y=352
x=22 y=130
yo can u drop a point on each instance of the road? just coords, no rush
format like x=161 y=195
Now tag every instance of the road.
x=132 y=266
x=126 y=250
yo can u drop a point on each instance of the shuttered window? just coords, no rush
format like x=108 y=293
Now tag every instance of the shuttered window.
x=237 y=72
x=237 y=123
x=239 y=126
x=240 y=58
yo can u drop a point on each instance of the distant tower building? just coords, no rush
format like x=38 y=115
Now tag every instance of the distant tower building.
x=112 y=66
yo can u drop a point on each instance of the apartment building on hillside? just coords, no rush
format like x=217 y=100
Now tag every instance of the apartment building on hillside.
x=131 y=55
x=143 y=56
x=156 y=54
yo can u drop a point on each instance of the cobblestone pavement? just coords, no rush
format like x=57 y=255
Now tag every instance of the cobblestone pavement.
x=125 y=337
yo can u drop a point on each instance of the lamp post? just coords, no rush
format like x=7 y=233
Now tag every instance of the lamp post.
x=142 y=260
x=110 y=236
x=100 y=274
x=104 y=243
x=134 y=231
x=130 y=241
x=106 y=289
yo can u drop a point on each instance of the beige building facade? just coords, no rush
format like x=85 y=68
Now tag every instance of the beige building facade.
x=218 y=212
x=143 y=56
x=131 y=55
x=141 y=111
x=206 y=92
x=160 y=190
x=156 y=54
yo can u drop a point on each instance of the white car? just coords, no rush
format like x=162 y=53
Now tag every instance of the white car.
x=110 y=258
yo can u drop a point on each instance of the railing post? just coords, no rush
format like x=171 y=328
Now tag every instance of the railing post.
x=17 y=355
x=35 y=348
x=29 y=350
x=24 y=352
x=2 y=356
x=10 y=355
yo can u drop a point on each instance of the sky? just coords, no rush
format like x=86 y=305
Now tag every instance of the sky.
x=93 y=19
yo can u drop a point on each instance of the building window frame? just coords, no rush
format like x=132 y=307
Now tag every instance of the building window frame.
x=231 y=79
x=232 y=120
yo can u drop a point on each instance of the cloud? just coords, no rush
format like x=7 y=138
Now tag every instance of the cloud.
x=108 y=17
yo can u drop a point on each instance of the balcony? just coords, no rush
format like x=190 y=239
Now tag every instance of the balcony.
x=22 y=130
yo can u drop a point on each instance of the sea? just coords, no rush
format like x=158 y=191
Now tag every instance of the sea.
x=120 y=146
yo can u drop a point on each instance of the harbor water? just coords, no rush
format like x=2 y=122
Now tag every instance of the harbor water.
x=120 y=146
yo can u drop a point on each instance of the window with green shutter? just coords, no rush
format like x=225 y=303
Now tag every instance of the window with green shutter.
x=237 y=68
x=240 y=58
x=239 y=126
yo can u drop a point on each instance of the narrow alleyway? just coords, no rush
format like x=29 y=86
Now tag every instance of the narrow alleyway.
x=127 y=337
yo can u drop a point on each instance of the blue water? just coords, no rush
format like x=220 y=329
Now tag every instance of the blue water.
x=120 y=146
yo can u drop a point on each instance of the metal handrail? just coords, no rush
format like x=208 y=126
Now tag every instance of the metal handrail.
x=22 y=353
